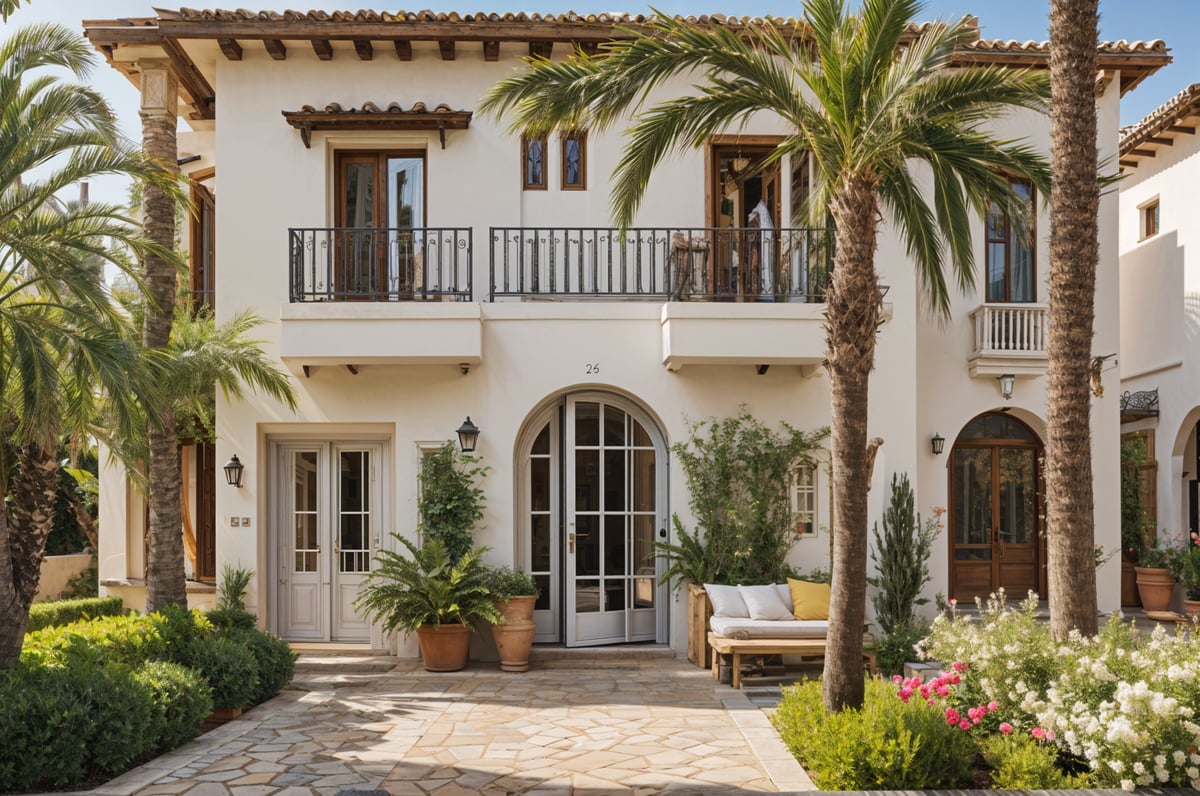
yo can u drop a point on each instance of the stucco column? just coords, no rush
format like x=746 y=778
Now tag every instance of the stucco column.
x=165 y=578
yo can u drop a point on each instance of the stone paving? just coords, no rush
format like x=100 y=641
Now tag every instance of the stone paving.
x=661 y=726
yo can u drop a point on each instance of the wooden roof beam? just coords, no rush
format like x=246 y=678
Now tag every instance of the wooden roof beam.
x=1162 y=141
x=588 y=48
x=323 y=49
x=1182 y=128
x=192 y=80
x=540 y=49
x=1128 y=164
x=491 y=51
x=230 y=48
x=276 y=49
x=447 y=48
x=403 y=49
x=1142 y=153
x=364 y=49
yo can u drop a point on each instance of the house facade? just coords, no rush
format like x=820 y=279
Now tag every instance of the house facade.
x=420 y=264
x=1160 y=278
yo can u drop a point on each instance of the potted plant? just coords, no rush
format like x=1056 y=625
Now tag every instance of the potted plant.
x=1186 y=567
x=514 y=594
x=427 y=593
x=1155 y=579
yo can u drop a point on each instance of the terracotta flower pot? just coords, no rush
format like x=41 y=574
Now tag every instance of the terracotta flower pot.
x=1191 y=608
x=444 y=648
x=514 y=635
x=1155 y=587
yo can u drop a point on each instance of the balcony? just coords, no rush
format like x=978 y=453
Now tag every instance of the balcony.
x=380 y=264
x=660 y=264
x=1009 y=338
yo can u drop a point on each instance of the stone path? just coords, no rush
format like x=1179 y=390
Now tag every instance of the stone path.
x=661 y=726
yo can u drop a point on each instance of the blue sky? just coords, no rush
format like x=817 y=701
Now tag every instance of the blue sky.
x=1175 y=21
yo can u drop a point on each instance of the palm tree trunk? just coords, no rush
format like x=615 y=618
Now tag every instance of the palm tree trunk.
x=851 y=321
x=1074 y=250
x=23 y=533
x=165 y=579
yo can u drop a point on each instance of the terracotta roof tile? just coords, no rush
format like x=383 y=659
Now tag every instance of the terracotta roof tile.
x=1179 y=107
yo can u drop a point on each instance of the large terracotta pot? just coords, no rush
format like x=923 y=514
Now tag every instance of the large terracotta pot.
x=514 y=635
x=444 y=648
x=1155 y=587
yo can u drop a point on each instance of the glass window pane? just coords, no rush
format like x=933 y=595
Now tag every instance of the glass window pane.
x=996 y=287
x=614 y=426
x=587 y=423
x=587 y=545
x=541 y=445
x=587 y=596
x=535 y=153
x=1018 y=496
x=972 y=497
x=543 y=600
x=644 y=554
x=540 y=543
x=614 y=595
x=614 y=544
x=643 y=593
x=539 y=484
x=614 y=480
x=640 y=438
x=359 y=189
x=571 y=160
x=587 y=480
x=644 y=484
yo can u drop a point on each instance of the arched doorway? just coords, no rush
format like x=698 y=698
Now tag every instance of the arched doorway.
x=591 y=502
x=995 y=508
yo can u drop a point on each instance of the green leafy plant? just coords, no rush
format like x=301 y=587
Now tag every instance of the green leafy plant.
x=227 y=665
x=451 y=500
x=231 y=591
x=1021 y=762
x=275 y=661
x=1185 y=566
x=427 y=587
x=1133 y=515
x=181 y=701
x=887 y=744
x=738 y=473
x=85 y=585
x=505 y=582
x=64 y=612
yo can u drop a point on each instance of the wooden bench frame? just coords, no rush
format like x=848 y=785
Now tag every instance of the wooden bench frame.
x=737 y=648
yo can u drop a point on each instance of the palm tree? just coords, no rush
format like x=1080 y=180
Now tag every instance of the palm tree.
x=1074 y=250
x=867 y=117
x=61 y=338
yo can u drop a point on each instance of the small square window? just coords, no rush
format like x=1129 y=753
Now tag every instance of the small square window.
x=574 y=161
x=533 y=164
x=1150 y=220
x=804 y=500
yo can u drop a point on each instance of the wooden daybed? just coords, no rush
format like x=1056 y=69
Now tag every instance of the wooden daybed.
x=733 y=650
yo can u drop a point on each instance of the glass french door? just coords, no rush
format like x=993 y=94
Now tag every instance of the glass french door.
x=326 y=534
x=994 y=518
x=380 y=215
x=594 y=502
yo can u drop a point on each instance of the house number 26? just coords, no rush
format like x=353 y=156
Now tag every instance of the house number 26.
x=591 y=368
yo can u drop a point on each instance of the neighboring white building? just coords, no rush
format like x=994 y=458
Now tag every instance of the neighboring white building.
x=421 y=265
x=1160 y=303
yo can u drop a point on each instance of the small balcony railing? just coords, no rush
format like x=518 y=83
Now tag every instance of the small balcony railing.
x=378 y=264
x=1010 y=329
x=661 y=263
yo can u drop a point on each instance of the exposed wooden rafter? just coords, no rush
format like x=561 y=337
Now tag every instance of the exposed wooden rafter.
x=1159 y=140
x=586 y=47
x=1130 y=164
x=1182 y=128
x=447 y=49
x=364 y=49
x=1142 y=153
x=323 y=49
x=540 y=49
x=403 y=49
x=491 y=51
x=276 y=49
x=310 y=119
x=203 y=97
x=230 y=48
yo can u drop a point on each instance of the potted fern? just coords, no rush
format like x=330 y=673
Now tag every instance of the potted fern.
x=514 y=594
x=423 y=590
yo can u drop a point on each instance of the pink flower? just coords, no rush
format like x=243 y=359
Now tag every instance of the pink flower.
x=964 y=725
x=993 y=706
x=973 y=714
x=1038 y=732
x=955 y=680
x=953 y=602
x=1005 y=728
x=943 y=691
x=960 y=666
x=1049 y=735
x=905 y=693
x=952 y=716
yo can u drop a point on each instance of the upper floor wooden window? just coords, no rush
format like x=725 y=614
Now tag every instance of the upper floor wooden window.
x=1011 y=267
x=1150 y=220
x=804 y=499
x=203 y=247
x=574 y=161
x=533 y=164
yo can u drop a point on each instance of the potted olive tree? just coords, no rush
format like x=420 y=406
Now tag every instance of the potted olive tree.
x=423 y=590
x=514 y=594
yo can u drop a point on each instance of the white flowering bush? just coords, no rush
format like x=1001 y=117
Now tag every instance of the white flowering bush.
x=1120 y=707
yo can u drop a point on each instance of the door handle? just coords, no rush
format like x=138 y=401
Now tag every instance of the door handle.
x=571 y=543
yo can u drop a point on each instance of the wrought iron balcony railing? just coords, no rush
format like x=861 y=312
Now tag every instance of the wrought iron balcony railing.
x=380 y=264
x=663 y=263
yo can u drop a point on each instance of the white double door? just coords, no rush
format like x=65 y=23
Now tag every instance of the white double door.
x=328 y=527
x=596 y=498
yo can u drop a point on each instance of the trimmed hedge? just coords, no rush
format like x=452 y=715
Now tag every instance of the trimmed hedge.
x=64 y=612
x=92 y=699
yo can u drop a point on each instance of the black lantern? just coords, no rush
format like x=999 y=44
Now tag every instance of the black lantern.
x=468 y=435
x=233 y=472
x=937 y=443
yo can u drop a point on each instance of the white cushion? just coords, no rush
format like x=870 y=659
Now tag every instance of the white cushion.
x=765 y=603
x=727 y=601
x=785 y=594
x=748 y=628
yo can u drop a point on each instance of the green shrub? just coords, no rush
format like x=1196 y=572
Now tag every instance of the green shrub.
x=275 y=659
x=231 y=619
x=888 y=744
x=69 y=727
x=64 y=612
x=899 y=648
x=227 y=665
x=130 y=639
x=181 y=700
x=451 y=501
x=1019 y=762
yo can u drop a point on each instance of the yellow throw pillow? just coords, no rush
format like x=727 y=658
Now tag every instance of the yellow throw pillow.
x=809 y=600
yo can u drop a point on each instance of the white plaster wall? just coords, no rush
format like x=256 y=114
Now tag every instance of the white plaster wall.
x=1160 y=312
x=267 y=182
